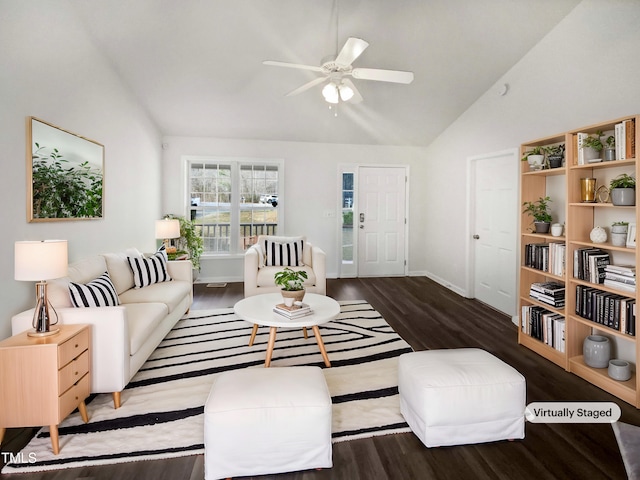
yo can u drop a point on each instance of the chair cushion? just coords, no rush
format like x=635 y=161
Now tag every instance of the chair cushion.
x=97 y=293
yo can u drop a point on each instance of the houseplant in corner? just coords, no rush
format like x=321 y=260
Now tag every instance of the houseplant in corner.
x=623 y=190
x=291 y=284
x=190 y=242
x=539 y=211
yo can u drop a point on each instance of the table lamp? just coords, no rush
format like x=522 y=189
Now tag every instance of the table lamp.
x=166 y=229
x=40 y=261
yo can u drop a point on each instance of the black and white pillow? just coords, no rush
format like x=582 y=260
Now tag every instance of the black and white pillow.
x=97 y=293
x=147 y=271
x=283 y=254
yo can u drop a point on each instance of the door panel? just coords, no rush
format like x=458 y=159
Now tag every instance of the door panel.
x=381 y=222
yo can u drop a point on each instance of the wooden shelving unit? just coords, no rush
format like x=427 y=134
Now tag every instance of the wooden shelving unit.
x=581 y=218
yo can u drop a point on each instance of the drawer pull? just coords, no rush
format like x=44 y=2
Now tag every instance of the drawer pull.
x=76 y=345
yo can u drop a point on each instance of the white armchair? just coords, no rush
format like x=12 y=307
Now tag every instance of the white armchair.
x=259 y=274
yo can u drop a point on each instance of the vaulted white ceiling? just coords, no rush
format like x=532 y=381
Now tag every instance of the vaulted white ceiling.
x=196 y=65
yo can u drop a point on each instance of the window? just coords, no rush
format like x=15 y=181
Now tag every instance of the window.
x=233 y=201
x=347 y=217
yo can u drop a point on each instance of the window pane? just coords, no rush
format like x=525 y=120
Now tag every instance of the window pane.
x=259 y=202
x=347 y=218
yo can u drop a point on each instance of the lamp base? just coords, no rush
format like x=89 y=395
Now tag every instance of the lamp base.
x=34 y=333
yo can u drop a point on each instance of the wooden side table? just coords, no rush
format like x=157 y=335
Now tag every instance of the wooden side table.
x=44 y=379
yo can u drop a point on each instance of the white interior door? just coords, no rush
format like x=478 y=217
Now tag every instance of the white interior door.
x=493 y=226
x=381 y=221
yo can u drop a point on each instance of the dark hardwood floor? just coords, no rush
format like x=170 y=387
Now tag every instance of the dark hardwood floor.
x=428 y=316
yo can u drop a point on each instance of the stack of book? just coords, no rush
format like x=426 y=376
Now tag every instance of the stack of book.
x=548 y=257
x=607 y=309
x=294 y=311
x=551 y=293
x=589 y=264
x=620 y=277
x=544 y=325
x=625 y=135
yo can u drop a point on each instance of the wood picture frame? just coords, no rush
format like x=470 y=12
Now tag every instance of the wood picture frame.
x=65 y=174
x=631 y=236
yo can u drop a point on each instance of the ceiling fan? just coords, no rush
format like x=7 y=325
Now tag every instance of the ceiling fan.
x=339 y=86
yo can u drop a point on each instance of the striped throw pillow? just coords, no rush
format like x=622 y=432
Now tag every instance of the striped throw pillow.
x=283 y=254
x=97 y=293
x=147 y=271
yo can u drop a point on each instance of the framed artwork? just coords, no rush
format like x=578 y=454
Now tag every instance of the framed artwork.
x=631 y=236
x=65 y=174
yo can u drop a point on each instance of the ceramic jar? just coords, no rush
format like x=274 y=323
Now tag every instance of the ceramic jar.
x=596 y=350
x=619 y=370
x=598 y=235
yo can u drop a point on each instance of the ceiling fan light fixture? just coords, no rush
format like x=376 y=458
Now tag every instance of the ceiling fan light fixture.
x=346 y=92
x=330 y=93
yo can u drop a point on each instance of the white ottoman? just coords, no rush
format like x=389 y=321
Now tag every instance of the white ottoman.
x=267 y=420
x=460 y=396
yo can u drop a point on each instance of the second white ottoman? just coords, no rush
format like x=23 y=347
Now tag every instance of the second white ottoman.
x=460 y=396
x=259 y=421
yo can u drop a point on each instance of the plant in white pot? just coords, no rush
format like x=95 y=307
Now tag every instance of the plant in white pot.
x=619 y=233
x=592 y=146
x=535 y=158
x=291 y=283
x=623 y=190
x=539 y=211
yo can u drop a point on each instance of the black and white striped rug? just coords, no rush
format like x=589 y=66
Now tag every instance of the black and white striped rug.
x=162 y=408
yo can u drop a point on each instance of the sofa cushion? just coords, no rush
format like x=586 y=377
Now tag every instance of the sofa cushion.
x=147 y=271
x=283 y=254
x=143 y=319
x=119 y=270
x=169 y=293
x=97 y=293
x=266 y=274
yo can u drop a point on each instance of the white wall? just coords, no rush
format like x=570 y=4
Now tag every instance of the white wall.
x=51 y=70
x=311 y=188
x=583 y=72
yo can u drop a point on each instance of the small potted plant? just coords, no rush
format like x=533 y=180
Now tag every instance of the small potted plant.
x=610 y=149
x=535 y=157
x=291 y=283
x=623 y=190
x=555 y=155
x=592 y=146
x=619 y=233
x=539 y=211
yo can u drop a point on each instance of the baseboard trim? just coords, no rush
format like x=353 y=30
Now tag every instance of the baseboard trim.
x=447 y=284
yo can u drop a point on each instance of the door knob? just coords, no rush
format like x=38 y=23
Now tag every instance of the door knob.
x=476 y=237
x=361 y=226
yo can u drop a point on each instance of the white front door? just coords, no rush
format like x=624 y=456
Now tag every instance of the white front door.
x=493 y=226
x=381 y=221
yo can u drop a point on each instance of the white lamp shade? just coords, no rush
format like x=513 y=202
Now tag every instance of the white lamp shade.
x=167 y=228
x=40 y=260
x=330 y=92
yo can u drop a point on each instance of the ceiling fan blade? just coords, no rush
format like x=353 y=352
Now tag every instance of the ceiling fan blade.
x=306 y=86
x=352 y=49
x=357 y=98
x=395 y=76
x=292 y=65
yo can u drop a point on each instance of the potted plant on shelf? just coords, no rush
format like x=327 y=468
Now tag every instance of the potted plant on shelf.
x=623 y=190
x=535 y=158
x=291 y=283
x=555 y=155
x=610 y=149
x=539 y=211
x=619 y=233
x=592 y=146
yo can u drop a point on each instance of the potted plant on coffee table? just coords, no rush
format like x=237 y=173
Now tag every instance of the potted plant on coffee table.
x=623 y=190
x=291 y=283
x=539 y=211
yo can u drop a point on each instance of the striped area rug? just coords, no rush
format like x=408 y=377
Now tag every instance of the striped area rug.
x=162 y=411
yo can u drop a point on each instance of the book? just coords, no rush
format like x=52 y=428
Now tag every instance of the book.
x=630 y=138
x=580 y=138
x=293 y=311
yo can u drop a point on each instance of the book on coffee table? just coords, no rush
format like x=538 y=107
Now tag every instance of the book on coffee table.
x=293 y=311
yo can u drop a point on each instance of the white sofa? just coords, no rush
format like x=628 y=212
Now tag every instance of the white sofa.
x=123 y=336
x=259 y=278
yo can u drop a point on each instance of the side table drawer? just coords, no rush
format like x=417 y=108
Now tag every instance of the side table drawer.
x=73 y=347
x=73 y=371
x=70 y=399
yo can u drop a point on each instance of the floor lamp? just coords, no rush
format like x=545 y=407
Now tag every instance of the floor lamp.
x=40 y=261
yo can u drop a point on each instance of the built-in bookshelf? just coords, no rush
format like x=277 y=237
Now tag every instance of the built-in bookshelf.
x=595 y=280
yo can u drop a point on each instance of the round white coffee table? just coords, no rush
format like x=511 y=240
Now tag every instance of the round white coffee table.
x=258 y=310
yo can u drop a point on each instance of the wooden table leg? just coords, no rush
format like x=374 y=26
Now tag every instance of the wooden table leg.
x=254 y=330
x=53 y=431
x=323 y=351
x=270 y=345
x=304 y=332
